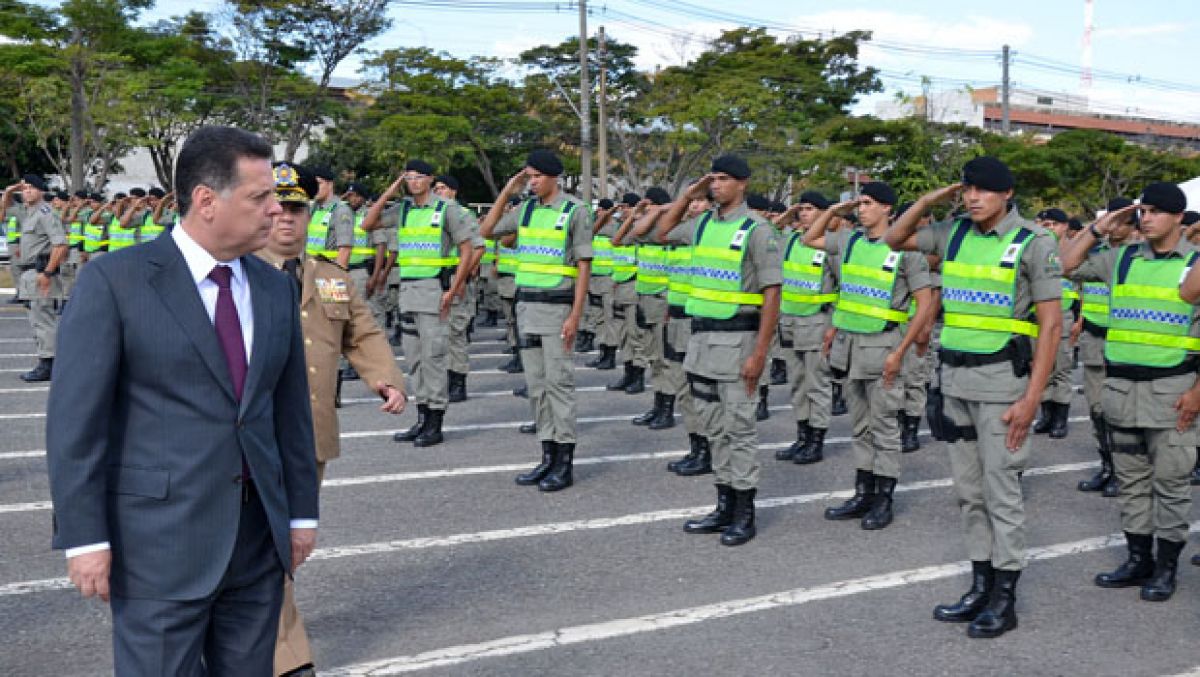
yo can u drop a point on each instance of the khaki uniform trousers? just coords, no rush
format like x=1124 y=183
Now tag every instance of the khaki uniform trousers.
x=676 y=334
x=809 y=376
x=725 y=410
x=461 y=314
x=632 y=341
x=426 y=340
x=292 y=649
x=549 y=374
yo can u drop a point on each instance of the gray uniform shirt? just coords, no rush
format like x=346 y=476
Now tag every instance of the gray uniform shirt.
x=1039 y=278
x=341 y=226
x=424 y=296
x=41 y=229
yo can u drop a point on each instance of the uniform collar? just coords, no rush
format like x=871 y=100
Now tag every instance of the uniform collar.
x=1011 y=220
x=736 y=214
x=560 y=196
x=1182 y=249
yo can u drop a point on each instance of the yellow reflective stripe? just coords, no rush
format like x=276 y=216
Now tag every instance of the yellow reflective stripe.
x=1097 y=308
x=427 y=262
x=971 y=270
x=653 y=279
x=884 y=276
x=809 y=298
x=723 y=253
x=1141 y=291
x=624 y=269
x=740 y=298
x=362 y=250
x=547 y=268
x=984 y=323
x=1146 y=338
x=876 y=312
x=1071 y=295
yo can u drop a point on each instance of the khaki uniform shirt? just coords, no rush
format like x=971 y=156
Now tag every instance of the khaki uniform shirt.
x=424 y=296
x=341 y=226
x=41 y=230
x=1039 y=279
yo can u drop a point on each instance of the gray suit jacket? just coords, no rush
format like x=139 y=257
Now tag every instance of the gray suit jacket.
x=144 y=434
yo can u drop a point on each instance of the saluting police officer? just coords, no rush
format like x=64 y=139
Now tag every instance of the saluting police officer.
x=996 y=265
x=1151 y=394
x=597 y=317
x=616 y=266
x=552 y=233
x=734 y=304
x=632 y=342
x=462 y=312
x=1056 y=403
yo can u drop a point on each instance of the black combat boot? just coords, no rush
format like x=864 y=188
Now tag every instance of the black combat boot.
x=514 y=366
x=1161 y=585
x=839 y=407
x=858 y=504
x=701 y=464
x=1135 y=570
x=814 y=449
x=1059 y=422
x=625 y=380
x=789 y=453
x=458 y=386
x=431 y=434
x=644 y=419
x=742 y=529
x=350 y=374
x=910 y=433
x=40 y=373
x=560 y=477
x=638 y=384
x=880 y=514
x=1104 y=477
x=697 y=443
x=778 y=372
x=607 y=359
x=1000 y=614
x=489 y=319
x=549 y=451
x=1045 y=417
x=970 y=604
x=585 y=342
x=717 y=520
x=527 y=428
x=763 y=412
x=666 y=414
x=521 y=391
x=412 y=433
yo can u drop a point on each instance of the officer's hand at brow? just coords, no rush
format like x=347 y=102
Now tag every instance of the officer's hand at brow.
x=943 y=195
x=1018 y=418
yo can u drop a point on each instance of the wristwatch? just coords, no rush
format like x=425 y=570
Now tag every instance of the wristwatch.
x=1094 y=232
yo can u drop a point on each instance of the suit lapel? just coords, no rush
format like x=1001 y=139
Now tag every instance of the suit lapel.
x=170 y=278
x=262 y=326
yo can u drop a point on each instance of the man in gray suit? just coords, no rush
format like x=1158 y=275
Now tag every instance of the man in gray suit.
x=179 y=434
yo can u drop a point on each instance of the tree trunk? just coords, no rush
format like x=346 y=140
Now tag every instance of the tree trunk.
x=78 y=113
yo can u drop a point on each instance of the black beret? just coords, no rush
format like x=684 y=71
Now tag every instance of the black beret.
x=815 y=199
x=1166 y=196
x=358 y=188
x=1118 y=203
x=1053 y=214
x=36 y=180
x=448 y=181
x=321 y=172
x=732 y=165
x=545 y=161
x=631 y=199
x=120 y=196
x=605 y=203
x=98 y=197
x=83 y=194
x=756 y=201
x=157 y=192
x=988 y=173
x=137 y=192
x=1190 y=217
x=658 y=196
x=1074 y=224
x=420 y=167
x=879 y=192
x=62 y=195
x=778 y=207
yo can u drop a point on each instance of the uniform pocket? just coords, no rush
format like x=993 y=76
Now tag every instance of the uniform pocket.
x=722 y=354
x=336 y=311
x=1117 y=402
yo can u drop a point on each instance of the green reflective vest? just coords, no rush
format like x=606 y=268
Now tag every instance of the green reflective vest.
x=679 y=274
x=624 y=263
x=720 y=248
x=419 y=241
x=506 y=260
x=318 y=232
x=119 y=238
x=864 y=304
x=542 y=245
x=12 y=232
x=489 y=255
x=979 y=289
x=1069 y=293
x=150 y=229
x=651 y=269
x=803 y=279
x=94 y=238
x=1148 y=323
x=602 y=255
x=1095 y=303
x=75 y=236
x=362 y=251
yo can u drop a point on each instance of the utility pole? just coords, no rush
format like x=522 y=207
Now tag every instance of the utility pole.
x=601 y=108
x=1004 y=91
x=585 y=108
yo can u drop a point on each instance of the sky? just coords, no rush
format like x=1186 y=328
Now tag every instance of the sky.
x=1142 y=55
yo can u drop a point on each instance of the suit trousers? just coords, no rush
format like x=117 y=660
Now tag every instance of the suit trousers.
x=231 y=632
x=426 y=339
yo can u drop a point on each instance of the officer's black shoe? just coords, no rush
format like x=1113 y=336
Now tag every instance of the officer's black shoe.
x=549 y=450
x=1000 y=614
x=717 y=520
x=814 y=449
x=701 y=464
x=514 y=366
x=1045 y=417
x=349 y=373
x=431 y=434
x=858 y=504
x=666 y=414
x=559 y=477
x=527 y=428
x=585 y=342
x=607 y=359
x=880 y=514
x=763 y=411
x=1196 y=470
x=969 y=605
x=697 y=443
x=910 y=433
x=1103 y=478
x=1161 y=586
x=1112 y=489
x=41 y=372
x=15 y=301
x=624 y=381
x=1059 y=425
x=644 y=419
x=778 y=372
x=458 y=386
x=489 y=318
x=1135 y=570
x=839 y=407
x=638 y=384
x=789 y=453
x=742 y=529
x=412 y=433
x=396 y=339
x=521 y=391
x=1196 y=560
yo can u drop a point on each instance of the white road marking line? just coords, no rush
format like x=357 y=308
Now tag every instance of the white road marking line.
x=4 y=355
x=16 y=340
x=36 y=453
x=26 y=507
x=11 y=417
x=674 y=618
x=31 y=389
x=554 y=528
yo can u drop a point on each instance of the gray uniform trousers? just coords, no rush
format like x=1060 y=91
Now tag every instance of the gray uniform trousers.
x=676 y=334
x=725 y=410
x=1091 y=355
x=632 y=337
x=1059 y=388
x=809 y=376
x=461 y=313
x=549 y=370
x=651 y=318
x=426 y=341
x=43 y=311
x=506 y=287
x=608 y=331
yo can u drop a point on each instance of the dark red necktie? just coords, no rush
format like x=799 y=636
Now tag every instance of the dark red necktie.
x=229 y=328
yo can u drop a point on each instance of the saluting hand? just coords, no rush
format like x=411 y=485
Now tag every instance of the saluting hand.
x=1019 y=417
x=845 y=207
x=699 y=189
x=89 y=572
x=394 y=399
x=517 y=182
x=1105 y=224
x=943 y=195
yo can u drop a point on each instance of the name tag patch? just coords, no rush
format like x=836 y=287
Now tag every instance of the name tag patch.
x=1010 y=254
x=739 y=238
x=889 y=263
x=333 y=291
x=818 y=258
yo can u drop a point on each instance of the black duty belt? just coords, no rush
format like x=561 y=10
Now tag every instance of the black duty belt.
x=677 y=312
x=956 y=358
x=745 y=322
x=500 y=274
x=557 y=296
x=365 y=265
x=1133 y=372
x=1094 y=329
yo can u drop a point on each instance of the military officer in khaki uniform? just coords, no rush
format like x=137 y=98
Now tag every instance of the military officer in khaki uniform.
x=552 y=232
x=996 y=267
x=336 y=322
x=42 y=253
x=737 y=272
x=1151 y=394
x=462 y=311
